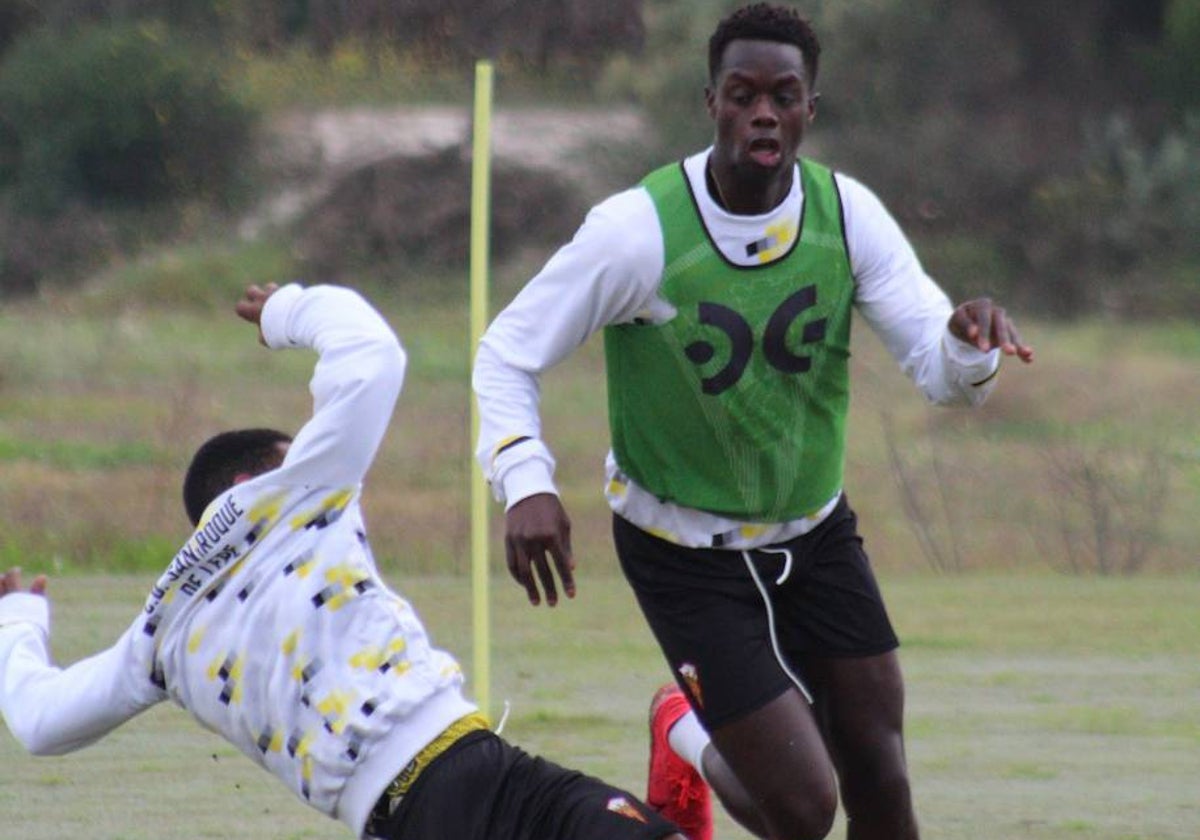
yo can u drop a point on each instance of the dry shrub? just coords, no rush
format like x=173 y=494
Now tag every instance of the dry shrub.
x=1109 y=504
x=33 y=249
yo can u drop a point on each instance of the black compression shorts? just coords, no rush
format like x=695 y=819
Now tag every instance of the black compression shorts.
x=483 y=788
x=733 y=624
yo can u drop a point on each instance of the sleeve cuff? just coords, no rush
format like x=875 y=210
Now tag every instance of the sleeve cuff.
x=25 y=608
x=526 y=479
x=275 y=314
x=976 y=367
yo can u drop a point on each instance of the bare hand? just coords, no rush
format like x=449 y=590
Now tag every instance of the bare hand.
x=10 y=583
x=538 y=526
x=987 y=326
x=251 y=305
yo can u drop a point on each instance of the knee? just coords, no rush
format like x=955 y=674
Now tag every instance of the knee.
x=885 y=790
x=808 y=814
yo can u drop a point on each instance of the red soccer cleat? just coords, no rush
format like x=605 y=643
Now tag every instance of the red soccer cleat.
x=675 y=789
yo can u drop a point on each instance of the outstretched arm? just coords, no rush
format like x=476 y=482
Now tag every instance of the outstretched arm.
x=52 y=710
x=952 y=354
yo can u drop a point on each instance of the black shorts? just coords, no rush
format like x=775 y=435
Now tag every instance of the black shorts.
x=720 y=625
x=484 y=788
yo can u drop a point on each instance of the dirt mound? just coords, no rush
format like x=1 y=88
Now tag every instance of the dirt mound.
x=414 y=210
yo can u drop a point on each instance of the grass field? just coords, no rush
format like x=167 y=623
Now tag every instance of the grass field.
x=1040 y=706
x=1088 y=461
x=1039 y=556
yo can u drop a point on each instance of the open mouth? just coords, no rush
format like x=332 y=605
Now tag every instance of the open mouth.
x=765 y=151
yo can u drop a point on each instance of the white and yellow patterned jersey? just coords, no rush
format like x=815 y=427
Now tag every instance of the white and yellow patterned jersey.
x=271 y=624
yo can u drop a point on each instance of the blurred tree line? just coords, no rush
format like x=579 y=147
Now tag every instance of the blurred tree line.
x=541 y=32
x=1048 y=153
x=1049 y=146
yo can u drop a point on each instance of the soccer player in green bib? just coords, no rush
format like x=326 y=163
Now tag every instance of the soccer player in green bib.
x=724 y=286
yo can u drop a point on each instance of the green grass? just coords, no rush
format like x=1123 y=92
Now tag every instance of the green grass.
x=1044 y=701
x=105 y=391
x=1056 y=714
x=81 y=456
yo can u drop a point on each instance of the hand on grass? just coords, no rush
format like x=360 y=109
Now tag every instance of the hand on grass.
x=538 y=526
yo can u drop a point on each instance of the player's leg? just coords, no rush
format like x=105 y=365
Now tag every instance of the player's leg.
x=770 y=767
x=862 y=711
x=689 y=741
x=782 y=800
x=836 y=626
x=778 y=759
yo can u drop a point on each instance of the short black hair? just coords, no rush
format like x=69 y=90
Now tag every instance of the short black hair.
x=221 y=458
x=765 y=22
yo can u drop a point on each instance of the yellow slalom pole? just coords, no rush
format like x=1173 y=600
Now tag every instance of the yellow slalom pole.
x=481 y=160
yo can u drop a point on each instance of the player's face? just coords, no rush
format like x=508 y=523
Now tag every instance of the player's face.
x=281 y=451
x=273 y=463
x=761 y=103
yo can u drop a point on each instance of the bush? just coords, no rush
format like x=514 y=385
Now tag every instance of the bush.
x=403 y=216
x=122 y=115
x=33 y=249
x=1174 y=65
x=668 y=80
x=1124 y=233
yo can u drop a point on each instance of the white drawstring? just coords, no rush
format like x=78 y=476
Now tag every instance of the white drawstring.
x=503 y=717
x=762 y=590
x=787 y=565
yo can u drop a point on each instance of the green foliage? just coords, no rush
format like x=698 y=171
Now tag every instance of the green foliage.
x=1156 y=186
x=118 y=114
x=1133 y=211
x=668 y=79
x=1175 y=65
x=349 y=74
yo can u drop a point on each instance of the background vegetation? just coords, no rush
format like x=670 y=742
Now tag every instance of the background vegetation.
x=1043 y=153
x=1085 y=462
x=1047 y=156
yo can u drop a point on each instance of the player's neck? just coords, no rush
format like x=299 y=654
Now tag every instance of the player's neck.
x=743 y=196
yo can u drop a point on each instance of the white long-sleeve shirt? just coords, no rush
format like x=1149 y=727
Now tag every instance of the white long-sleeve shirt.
x=271 y=624
x=610 y=273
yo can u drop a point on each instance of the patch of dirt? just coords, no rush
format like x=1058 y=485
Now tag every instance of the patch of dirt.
x=406 y=212
x=314 y=152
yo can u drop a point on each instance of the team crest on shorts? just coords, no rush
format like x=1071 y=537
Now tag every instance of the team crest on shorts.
x=621 y=805
x=692 y=677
